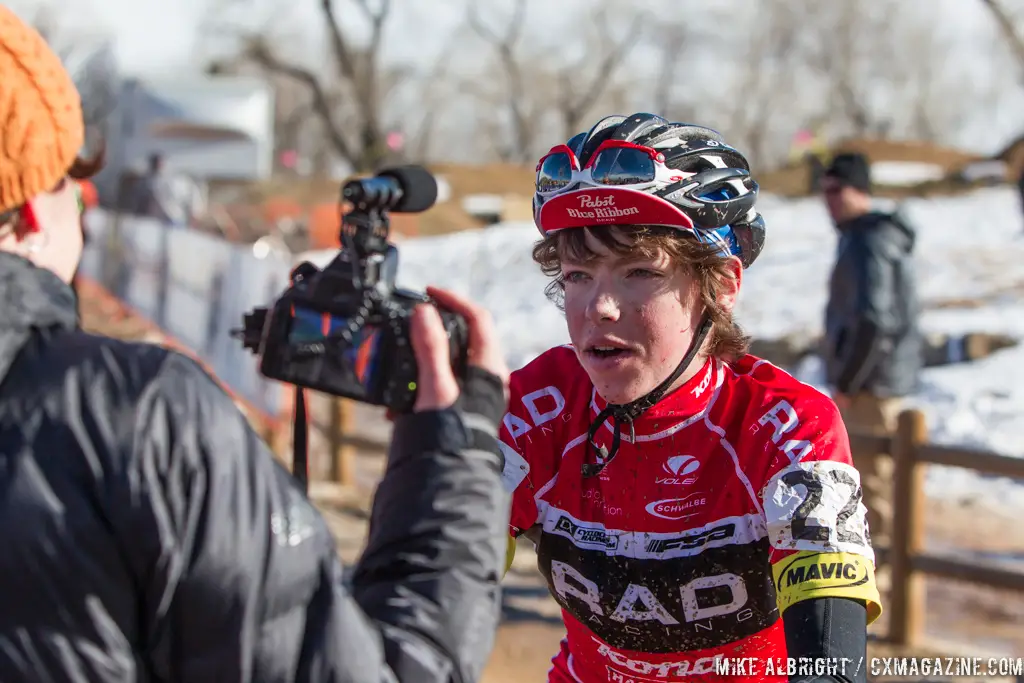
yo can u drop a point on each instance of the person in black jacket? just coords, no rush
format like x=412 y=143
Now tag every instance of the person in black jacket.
x=873 y=345
x=148 y=534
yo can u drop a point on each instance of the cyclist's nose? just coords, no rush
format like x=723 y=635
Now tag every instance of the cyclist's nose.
x=603 y=308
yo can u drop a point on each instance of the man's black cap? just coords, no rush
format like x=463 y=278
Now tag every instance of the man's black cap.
x=851 y=169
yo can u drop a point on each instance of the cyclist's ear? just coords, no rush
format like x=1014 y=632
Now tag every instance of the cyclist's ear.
x=731 y=283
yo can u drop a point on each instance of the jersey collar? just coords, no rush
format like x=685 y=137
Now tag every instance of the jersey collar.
x=688 y=400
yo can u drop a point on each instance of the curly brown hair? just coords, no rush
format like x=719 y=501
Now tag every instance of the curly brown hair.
x=726 y=341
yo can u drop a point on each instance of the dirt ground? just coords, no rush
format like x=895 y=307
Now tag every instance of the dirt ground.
x=962 y=620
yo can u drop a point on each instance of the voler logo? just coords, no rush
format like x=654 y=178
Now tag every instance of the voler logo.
x=600 y=209
x=676 y=508
x=677 y=468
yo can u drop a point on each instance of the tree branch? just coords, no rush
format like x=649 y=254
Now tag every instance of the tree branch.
x=505 y=48
x=261 y=54
x=674 y=44
x=1009 y=31
x=575 y=105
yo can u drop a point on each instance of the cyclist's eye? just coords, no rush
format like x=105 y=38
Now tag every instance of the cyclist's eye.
x=644 y=273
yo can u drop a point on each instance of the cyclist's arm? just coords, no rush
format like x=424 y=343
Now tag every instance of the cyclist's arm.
x=528 y=444
x=516 y=478
x=832 y=630
x=510 y=553
x=822 y=560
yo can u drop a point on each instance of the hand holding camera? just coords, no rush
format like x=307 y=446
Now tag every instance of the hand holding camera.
x=344 y=330
x=349 y=331
x=438 y=388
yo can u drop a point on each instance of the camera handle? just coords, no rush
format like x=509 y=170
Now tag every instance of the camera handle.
x=300 y=441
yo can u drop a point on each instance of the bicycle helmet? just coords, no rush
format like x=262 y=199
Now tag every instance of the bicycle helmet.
x=645 y=170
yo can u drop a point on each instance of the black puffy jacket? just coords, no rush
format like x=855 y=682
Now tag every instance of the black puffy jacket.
x=147 y=534
x=872 y=339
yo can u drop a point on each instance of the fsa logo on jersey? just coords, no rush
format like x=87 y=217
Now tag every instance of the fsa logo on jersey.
x=677 y=468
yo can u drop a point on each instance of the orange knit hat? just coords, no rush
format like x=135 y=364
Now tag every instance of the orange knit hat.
x=41 y=127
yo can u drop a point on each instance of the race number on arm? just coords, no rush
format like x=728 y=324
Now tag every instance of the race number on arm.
x=817 y=522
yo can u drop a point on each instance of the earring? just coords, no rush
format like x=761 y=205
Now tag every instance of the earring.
x=35 y=242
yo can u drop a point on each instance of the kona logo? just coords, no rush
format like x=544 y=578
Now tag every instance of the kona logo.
x=657 y=670
x=588 y=202
x=676 y=508
x=678 y=467
x=704 y=383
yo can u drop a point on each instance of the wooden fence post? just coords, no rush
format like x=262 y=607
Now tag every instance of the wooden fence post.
x=907 y=593
x=343 y=455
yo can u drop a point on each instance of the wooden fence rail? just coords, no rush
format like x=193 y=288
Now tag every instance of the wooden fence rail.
x=908 y=561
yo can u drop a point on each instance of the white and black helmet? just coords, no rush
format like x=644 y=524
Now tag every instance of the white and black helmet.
x=645 y=170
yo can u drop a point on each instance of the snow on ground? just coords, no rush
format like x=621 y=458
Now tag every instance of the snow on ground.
x=905 y=172
x=970 y=259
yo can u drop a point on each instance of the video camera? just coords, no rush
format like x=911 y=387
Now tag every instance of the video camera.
x=344 y=330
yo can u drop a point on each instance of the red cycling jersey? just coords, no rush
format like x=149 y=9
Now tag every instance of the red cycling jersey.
x=735 y=498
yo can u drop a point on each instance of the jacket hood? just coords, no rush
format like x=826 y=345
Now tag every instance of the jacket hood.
x=894 y=226
x=31 y=299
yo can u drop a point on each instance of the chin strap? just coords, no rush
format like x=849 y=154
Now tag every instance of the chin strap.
x=627 y=413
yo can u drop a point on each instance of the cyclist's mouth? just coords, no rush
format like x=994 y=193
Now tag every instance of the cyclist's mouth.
x=607 y=351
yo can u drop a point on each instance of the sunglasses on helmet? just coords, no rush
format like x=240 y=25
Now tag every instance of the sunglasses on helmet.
x=614 y=163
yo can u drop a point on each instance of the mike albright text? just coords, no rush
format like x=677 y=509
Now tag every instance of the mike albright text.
x=789 y=666
x=877 y=666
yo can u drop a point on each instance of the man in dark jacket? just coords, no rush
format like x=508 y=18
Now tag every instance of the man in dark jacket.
x=872 y=349
x=148 y=534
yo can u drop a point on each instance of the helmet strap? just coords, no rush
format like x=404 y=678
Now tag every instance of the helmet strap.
x=628 y=412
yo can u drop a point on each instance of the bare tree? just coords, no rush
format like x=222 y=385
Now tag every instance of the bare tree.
x=434 y=95
x=583 y=82
x=354 y=84
x=566 y=82
x=1008 y=27
x=682 y=49
x=856 y=50
x=673 y=40
x=931 y=98
x=887 y=71
x=91 y=63
x=505 y=45
x=767 y=73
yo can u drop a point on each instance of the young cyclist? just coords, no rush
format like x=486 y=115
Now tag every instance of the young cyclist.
x=694 y=508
